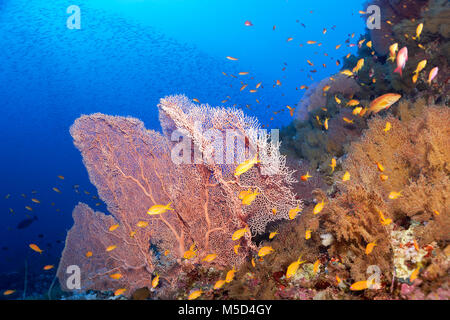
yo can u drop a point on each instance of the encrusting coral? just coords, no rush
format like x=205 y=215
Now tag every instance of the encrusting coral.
x=134 y=169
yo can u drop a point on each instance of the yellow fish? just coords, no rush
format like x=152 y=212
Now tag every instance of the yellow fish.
x=231 y=58
x=132 y=234
x=273 y=234
x=196 y=100
x=35 y=200
x=158 y=209
x=380 y=167
x=436 y=212
x=305 y=177
x=357 y=110
x=253 y=262
x=359 y=65
x=347 y=120
x=195 y=294
x=244 y=193
x=326 y=88
x=142 y=224
x=419 y=31
x=319 y=207
x=415 y=77
x=370 y=247
x=358 y=286
x=111 y=248
x=274 y=211
x=119 y=292
x=316 y=266
x=8 y=292
x=155 y=281
x=210 y=257
x=246 y=165
x=61 y=177
x=249 y=198
x=48 y=267
x=293 y=267
x=115 y=276
x=29 y=208
x=219 y=284
x=346 y=176
x=392 y=51
x=308 y=234
x=189 y=254
x=369 y=44
x=383 y=102
x=230 y=275
x=383 y=177
x=265 y=251
x=347 y=73
x=293 y=212
x=239 y=233
x=333 y=164
x=236 y=248
x=325 y=124
x=35 y=248
x=384 y=221
x=420 y=66
x=166 y=252
x=394 y=195
x=88 y=254
x=56 y=190
x=414 y=274
x=113 y=227
x=387 y=127
x=338 y=101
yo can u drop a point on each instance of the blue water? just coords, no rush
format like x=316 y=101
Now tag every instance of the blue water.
x=127 y=55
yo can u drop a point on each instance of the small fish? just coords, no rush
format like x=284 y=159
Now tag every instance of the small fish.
x=359 y=65
x=189 y=254
x=333 y=164
x=119 y=292
x=88 y=254
x=293 y=267
x=166 y=252
x=196 y=100
x=274 y=211
x=436 y=212
x=195 y=294
x=293 y=212
x=318 y=207
x=348 y=120
x=111 y=248
x=326 y=88
x=155 y=281
x=265 y=251
x=433 y=73
x=210 y=257
x=338 y=101
x=28 y=208
x=159 y=209
x=383 y=220
x=346 y=176
x=318 y=120
x=380 y=167
x=232 y=59
x=248 y=23
x=34 y=247
x=419 y=31
x=414 y=274
x=392 y=51
x=308 y=234
x=291 y=110
x=35 y=200
x=253 y=262
x=353 y=103
x=383 y=102
x=113 y=227
x=243 y=87
x=249 y=198
x=115 y=276
x=402 y=57
x=420 y=66
x=394 y=195
x=246 y=165
x=383 y=177
x=387 y=127
x=61 y=177
x=325 y=124
x=56 y=190
x=219 y=284
x=8 y=292
x=316 y=266
x=347 y=73
x=289 y=39
x=358 y=286
x=357 y=111
x=305 y=177
x=142 y=224
x=230 y=275
x=311 y=42
x=370 y=247
x=416 y=245
x=48 y=267
x=273 y=234
x=132 y=234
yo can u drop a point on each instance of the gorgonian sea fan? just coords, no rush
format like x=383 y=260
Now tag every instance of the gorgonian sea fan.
x=133 y=169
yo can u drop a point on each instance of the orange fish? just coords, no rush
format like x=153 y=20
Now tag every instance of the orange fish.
x=155 y=281
x=305 y=177
x=48 y=267
x=88 y=254
x=380 y=167
x=316 y=266
x=231 y=58
x=119 y=292
x=34 y=247
x=358 y=286
x=383 y=102
x=414 y=274
x=369 y=247
x=8 y=292
x=219 y=284
x=308 y=234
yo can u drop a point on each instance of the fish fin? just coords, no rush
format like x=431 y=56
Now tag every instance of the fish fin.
x=399 y=71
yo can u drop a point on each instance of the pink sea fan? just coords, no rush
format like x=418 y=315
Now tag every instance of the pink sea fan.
x=133 y=169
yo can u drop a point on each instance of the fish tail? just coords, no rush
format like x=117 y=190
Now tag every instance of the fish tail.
x=168 y=207
x=399 y=71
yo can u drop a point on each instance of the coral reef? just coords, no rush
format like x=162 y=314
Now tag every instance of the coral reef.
x=134 y=169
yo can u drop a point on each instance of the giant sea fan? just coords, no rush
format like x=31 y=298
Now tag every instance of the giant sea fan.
x=133 y=169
